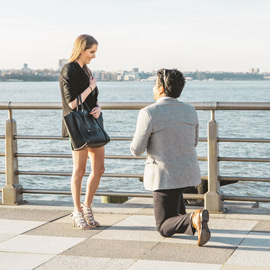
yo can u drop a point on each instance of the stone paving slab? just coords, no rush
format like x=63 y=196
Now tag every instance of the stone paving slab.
x=39 y=244
x=76 y=263
x=63 y=230
x=103 y=219
x=5 y=236
x=133 y=228
x=253 y=251
x=63 y=227
x=19 y=226
x=110 y=248
x=162 y=265
x=223 y=233
x=189 y=253
x=262 y=226
x=239 y=267
x=33 y=214
x=22 y=261
x=4 y=210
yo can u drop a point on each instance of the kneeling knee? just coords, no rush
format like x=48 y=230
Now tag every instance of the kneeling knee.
x=164 y=233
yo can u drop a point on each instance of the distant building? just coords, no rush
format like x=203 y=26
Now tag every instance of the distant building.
x=254 y=70
x=25 y=68
x=135 y=70
x=97 y=74
x=61 y=63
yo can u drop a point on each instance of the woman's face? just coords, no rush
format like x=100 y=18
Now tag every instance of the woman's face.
x=87 y=55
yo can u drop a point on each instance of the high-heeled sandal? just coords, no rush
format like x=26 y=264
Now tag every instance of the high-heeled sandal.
x=79 y=221
x=89 y=217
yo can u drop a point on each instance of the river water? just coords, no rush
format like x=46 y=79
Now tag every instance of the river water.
x=246 y=124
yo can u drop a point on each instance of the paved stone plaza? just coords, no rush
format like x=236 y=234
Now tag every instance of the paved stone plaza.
x=34 y=236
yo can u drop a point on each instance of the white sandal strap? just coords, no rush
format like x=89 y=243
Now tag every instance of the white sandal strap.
x=88 y=214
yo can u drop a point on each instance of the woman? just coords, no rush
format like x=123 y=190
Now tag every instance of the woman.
x=75 y=78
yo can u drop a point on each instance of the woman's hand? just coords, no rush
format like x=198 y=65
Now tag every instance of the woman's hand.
x=96 y=112
x=93 y=83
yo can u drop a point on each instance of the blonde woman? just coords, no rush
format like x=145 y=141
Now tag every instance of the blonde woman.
x=76 y=78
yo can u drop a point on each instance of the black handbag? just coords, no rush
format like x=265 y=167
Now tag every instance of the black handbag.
x=83 y=129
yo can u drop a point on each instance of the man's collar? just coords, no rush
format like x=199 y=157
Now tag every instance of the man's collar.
x=166 y=98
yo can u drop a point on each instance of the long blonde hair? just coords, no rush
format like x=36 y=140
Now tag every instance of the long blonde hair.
x=82 y=43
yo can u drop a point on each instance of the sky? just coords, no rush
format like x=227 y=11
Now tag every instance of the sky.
x=205 y=35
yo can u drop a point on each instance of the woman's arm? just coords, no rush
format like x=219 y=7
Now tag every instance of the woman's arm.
x=85 y=93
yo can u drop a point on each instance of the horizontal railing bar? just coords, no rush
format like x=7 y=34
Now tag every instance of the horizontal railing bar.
x=244 y=140
x=241 y=159
x=34 y=137
x=245 y=198
x=35 y=155
x=98 y=193
x=140 y=176
x=2 y=172
x=2 y=137
x=2 y=154
x=42 y=155
x=104 y=193
x=241 y=140
x=138 y=105
x=235 y=178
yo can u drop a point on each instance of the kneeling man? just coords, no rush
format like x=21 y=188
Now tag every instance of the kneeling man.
x=168 y=130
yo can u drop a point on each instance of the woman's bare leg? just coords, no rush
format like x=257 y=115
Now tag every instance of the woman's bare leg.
x=96 y=156
x=79 y=165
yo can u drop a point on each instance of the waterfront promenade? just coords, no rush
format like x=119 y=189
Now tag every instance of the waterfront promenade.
x=40 y=236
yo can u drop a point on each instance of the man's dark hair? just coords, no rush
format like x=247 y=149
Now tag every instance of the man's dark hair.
x=172 y=80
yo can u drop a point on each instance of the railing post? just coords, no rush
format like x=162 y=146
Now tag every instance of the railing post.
x=212 y=199
x=11 y=192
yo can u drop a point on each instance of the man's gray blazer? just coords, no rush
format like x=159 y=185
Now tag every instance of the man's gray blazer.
x=168 y=130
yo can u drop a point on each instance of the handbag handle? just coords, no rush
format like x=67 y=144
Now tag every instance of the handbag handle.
x=79 y=101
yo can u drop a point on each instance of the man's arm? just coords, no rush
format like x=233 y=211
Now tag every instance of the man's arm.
x=142 y=133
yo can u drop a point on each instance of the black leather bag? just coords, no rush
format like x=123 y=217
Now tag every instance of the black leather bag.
x=83 y=129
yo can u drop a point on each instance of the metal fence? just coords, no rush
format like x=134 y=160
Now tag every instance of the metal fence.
x=12 y=192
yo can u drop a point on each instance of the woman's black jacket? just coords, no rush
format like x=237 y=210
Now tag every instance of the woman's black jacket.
x=73 y=81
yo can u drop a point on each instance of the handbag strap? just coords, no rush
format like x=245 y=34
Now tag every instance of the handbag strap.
x=79 y=102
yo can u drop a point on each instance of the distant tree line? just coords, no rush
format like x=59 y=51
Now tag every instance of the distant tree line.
x=36 y=77
x=224 y=76
x=29 y=77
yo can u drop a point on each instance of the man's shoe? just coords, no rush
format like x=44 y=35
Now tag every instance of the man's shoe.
x=199 y=222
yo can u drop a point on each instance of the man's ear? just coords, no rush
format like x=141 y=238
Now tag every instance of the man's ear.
x=161 y=90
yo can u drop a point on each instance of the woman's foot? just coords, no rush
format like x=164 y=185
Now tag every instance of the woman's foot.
x=88 y=215
x=79 y=221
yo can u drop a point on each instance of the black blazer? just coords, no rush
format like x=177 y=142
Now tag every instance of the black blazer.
x=73 y=81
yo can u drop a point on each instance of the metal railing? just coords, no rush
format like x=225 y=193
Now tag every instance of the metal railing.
x=12 y=192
